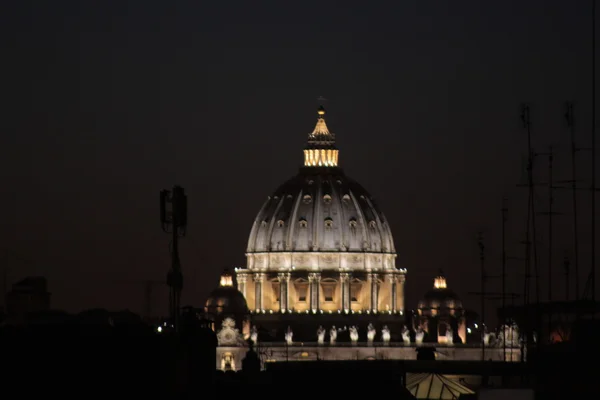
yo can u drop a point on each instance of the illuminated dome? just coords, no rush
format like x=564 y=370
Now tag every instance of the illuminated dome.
x=321 y=244
x=440 y=298
x=226 y=299
x=320 y=210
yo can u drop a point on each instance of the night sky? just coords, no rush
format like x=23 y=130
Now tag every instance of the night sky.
x=105 y=103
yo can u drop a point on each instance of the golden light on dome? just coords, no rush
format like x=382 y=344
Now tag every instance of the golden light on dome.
x=226 y=280
x=439 y=282
x=320 y=158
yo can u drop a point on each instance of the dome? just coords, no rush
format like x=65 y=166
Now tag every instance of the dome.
x=226 y=299
x=320 y=218
x=320 y=209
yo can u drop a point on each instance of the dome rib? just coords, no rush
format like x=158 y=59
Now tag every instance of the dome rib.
x=294 y=218
x=366 y=235
x=343 y=218
x=255 y=227
x=379 y=225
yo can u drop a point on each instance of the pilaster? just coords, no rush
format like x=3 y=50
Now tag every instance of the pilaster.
x=242 y=279
x=345 y=280
x=284 y=283
x=373 y=279
x=314 y=279
x=259 y=278
x=393 y=279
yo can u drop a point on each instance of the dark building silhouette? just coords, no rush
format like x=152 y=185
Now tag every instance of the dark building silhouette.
x=29 y=295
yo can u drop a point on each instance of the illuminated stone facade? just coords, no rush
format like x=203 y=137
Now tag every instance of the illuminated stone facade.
x=321 y=280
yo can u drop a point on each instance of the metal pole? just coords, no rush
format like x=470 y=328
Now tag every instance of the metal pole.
x=550 y=244
x=571 y=122
x=550 y=204
x=482 y=264
x=504 y=219
x=567 y=268
x=177 y=221
x=593 y=271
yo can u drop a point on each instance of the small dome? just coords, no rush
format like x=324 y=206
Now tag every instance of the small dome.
x=226 y=299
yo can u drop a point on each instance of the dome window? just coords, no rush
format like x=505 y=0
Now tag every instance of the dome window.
x=346 y=197
x=289 y=196
x=372 y=224
x=339 y=182
x=280 y=223
x=352 y=223
x=327 y=199
x=303 y=223
x=264 y=223
x=307 y=198
x=328 y=223
x=310 y=181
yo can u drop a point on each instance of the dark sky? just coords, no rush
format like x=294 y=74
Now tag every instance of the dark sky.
x=105 y=103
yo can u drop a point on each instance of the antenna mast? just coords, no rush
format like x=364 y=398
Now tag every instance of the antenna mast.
x=593 y=271
x=483 y=278
x=570 y=117
x=530 y=231
x=504 y=220
x=567 y=271
x=550 y=213
x=591 y=280
x=173 y=217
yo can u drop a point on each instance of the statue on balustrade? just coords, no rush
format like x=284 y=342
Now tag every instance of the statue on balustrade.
x=419 y=336
x=354 y=334
x=332 y=335
x=449 y=336
x=509 y=334
x=386 y=335
x=371 y=333
x=289 y=335
x=489 y=338
x=405 y=335
x=321 y=335
x=254 y=335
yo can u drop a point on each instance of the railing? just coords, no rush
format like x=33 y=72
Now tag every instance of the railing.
x=376 y=344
